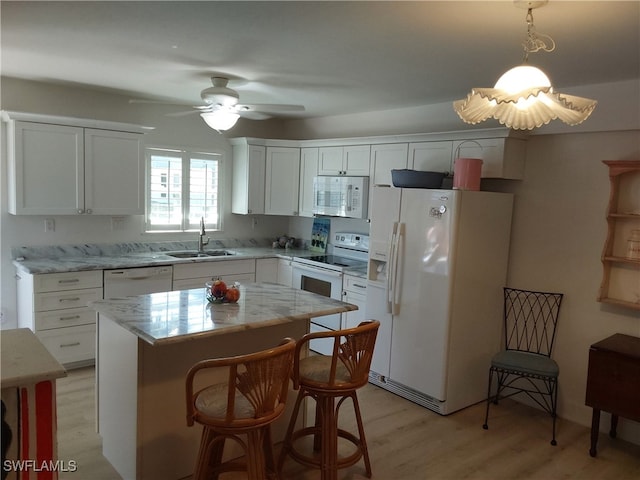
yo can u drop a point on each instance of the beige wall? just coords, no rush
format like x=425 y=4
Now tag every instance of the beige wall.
x=558 y=232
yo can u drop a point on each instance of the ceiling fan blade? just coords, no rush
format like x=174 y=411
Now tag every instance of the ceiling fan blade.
x=253 y=115
x=269 y=107
x=183 y=114
x=156 y=102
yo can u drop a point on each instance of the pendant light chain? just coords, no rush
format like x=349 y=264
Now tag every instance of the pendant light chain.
x=536 y=41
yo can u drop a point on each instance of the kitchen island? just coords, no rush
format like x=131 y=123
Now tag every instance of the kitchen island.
x=146 y=344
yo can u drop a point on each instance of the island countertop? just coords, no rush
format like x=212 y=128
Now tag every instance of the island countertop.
x=183 y=315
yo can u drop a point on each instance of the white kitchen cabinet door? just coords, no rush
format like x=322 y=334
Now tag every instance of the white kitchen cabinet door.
x=114 y=172
x=266 y=270
x=330 y=161
x=353 y=318
x=431 y=156
x=282 y=180
x=356 y=161
x=308 y=170
x=385 y=158
x=247 y=196
x=350 y=160
x=285 y=272
x=45 y=169
x=69 y=170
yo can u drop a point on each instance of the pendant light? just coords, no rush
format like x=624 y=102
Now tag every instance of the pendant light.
x=523 y=97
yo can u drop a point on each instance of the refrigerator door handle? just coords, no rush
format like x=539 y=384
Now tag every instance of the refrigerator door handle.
x=391 y=267
x=395 y=307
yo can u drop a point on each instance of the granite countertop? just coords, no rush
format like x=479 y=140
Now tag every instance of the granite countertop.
x=25 y=360
x=101 y=257
x=178 y=316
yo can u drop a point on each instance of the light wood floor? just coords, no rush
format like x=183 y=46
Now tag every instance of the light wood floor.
x=405 y=441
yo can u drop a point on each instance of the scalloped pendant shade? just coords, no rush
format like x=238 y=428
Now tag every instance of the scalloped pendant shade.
x=523 y=99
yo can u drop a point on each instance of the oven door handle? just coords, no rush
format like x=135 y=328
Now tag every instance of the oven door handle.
x=320 y=271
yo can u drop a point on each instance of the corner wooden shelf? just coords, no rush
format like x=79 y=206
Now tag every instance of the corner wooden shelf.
x=621 y=275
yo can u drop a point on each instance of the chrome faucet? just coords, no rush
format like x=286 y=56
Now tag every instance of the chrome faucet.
x=201 y=241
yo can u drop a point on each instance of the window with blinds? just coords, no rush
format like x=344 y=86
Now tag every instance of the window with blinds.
x=182 y=188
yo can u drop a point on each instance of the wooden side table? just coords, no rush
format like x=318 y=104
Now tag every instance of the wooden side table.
x=613 y=382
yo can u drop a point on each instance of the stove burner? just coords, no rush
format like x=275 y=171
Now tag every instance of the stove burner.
x=335 y=260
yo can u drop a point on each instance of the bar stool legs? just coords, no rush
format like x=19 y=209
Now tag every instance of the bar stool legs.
x=325 y=434
x=329 y=381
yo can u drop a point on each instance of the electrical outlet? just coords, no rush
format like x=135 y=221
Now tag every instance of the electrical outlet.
x=49 y=225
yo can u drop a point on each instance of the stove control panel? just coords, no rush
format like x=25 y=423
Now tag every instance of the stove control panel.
x=358 y=241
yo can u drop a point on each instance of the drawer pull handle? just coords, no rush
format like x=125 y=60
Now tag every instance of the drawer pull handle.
x=74 y=299
x=359 y=286
x=74 y=344
x=74 y=317
x=71 y=280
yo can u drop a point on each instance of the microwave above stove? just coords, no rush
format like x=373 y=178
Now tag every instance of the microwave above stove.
x=341 y=196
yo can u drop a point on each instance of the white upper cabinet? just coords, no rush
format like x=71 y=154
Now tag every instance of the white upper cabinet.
x=384 y=158
x=45 y=168
x=350 y=160
x=249 y=163
x=308 y=170
x=113 y=172
x=282 y=181
x=501 y=157
x=67 y=169
x=431 y=156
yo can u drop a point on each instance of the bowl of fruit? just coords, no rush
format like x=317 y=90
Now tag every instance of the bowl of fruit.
x=217 y=291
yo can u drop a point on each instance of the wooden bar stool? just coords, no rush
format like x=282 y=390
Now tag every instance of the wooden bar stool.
x=251 y=399
x=327 y=379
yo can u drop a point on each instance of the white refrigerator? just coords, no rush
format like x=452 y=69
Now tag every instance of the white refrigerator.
x=437 y=266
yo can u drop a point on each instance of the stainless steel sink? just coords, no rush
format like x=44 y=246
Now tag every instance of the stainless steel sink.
x=194 y=254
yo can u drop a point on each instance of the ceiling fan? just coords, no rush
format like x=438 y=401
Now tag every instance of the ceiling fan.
x=222 y=109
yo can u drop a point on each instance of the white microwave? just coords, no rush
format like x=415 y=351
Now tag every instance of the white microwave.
x=341 y=196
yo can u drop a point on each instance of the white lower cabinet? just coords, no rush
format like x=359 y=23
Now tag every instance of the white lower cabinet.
x=71 y=345
x=274 y=270
x=354 y=291
x=285 y=272
x=54 y=306
x=195 y=275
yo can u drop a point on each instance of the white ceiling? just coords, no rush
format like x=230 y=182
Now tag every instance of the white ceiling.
x=332 y=57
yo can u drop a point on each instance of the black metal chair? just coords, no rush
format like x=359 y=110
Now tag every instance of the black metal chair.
x=526 y=366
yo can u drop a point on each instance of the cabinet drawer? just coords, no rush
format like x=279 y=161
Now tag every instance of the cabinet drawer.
x=355 y=284
x=71 y=344
x=55 y=282
x=64 y=318
x=213 y=269
x=68 y=299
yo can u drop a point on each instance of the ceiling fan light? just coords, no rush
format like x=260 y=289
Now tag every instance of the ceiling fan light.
x=220 y=120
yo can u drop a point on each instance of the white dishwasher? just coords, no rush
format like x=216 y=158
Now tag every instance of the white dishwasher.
x=126 y=282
